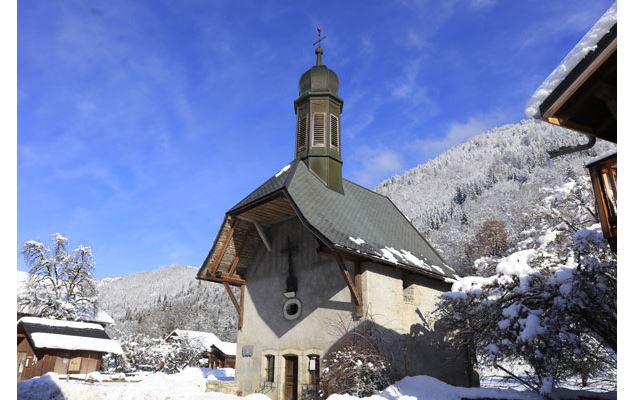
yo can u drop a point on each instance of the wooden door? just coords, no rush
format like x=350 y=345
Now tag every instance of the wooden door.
x=290 y=378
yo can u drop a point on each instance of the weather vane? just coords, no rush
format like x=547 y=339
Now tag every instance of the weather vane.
x=320 y=38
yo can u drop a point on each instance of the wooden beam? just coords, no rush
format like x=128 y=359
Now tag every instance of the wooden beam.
x=349 y=282
x=233 y=280
x=221 y=251
x=234 y=263
x=233 y=299
x=359 y=308
x=261 y=232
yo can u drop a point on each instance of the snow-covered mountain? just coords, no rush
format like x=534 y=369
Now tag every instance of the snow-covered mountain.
x=158 y=301
x=498 y=174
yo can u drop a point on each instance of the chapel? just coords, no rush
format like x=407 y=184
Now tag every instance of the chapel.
x=309 y=253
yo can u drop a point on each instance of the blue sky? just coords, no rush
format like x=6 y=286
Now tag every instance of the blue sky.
x=141 y=122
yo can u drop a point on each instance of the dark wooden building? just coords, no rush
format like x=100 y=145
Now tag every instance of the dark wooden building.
x=581 y=94
x=64 y=347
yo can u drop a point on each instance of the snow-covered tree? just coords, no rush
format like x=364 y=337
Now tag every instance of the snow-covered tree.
x=60 y=284
x=167 y=356
x=552 y=303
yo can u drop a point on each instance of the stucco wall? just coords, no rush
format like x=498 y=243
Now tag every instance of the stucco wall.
x=325 y=300
x=413 y=340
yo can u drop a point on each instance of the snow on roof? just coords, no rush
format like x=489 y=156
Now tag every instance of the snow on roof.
x=587 y=44
x=60 y=323
x=283 y=170
x=68 y=335
x=601 y=157
x=69 y=342
x=206 y=340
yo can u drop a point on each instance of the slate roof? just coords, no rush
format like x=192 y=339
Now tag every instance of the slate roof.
x=358 y=221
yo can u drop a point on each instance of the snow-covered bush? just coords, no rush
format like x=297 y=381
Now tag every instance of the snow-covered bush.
x=60 y=284
x=357 y=364
x=139 y=349
x=551 y=304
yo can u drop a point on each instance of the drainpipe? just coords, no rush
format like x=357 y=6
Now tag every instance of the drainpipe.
x=572 y=149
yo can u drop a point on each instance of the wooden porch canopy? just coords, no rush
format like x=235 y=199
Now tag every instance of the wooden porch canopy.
x=238 y=240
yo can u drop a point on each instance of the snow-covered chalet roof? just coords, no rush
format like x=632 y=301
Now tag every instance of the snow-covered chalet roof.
x=101 y=316
x=600 y=157
x=587 y=44
x=46 y=333
x=205 y=340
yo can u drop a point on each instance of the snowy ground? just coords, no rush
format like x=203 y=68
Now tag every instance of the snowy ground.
x=191 y=383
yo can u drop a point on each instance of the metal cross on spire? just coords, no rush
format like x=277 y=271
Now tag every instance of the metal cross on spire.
x=320 y=38
x=318 y=49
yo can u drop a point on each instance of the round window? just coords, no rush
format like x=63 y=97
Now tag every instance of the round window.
x=291 y=309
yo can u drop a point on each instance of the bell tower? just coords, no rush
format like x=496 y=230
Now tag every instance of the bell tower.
x=318 y=109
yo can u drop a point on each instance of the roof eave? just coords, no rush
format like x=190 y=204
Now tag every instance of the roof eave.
x=578 y=75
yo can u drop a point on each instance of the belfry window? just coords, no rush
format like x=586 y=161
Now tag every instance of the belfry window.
x=335 y=131
x=302 y=131
x=318 y=129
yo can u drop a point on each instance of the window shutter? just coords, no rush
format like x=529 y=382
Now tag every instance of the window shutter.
x=302 y=130
x=335 y=131
x=318 y=129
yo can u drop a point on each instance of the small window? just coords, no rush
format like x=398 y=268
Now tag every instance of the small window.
x=314 y=369
x=291 y=309
x=318 y=129
x=335 y=131
x=302 y=128
x=270 y=367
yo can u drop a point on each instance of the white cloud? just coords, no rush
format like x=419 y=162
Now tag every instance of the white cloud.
x=374 y=165
x=547 y=30
x=459 y=132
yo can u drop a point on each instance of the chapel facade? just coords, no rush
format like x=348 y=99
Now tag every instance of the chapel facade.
x=308 y=253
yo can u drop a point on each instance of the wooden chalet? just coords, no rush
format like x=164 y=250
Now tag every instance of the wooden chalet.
x=220 y=354
x=581 y=94
x=64 y=347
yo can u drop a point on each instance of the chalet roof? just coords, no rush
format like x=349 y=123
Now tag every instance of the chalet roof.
x=358 y=221
x=581 y=55
x=601 y=157
x=581 y=92
x=45 y=333
x=205 y=340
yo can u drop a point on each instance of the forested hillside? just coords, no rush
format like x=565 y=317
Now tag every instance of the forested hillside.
x=497 y=176
x=471 y=201
x=158 y=301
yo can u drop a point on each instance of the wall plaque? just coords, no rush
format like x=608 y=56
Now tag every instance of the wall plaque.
x=248 y=350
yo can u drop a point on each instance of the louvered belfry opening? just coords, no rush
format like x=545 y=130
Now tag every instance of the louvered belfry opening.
x=302 y=131
x=318 y=109
x=335 y=131
x=318 y=129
